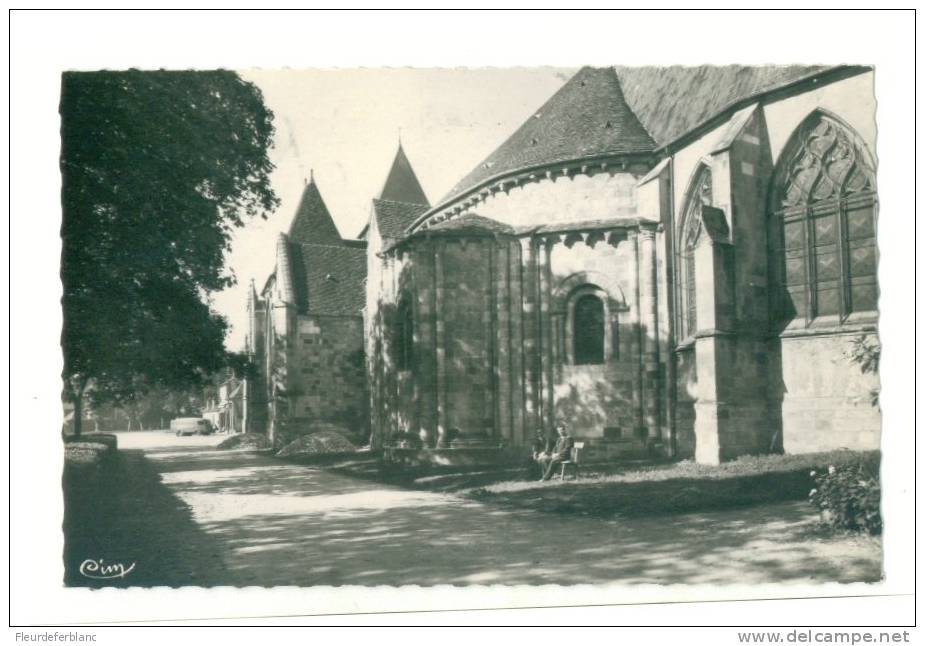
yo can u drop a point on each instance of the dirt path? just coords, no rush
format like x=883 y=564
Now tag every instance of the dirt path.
x=251 y=520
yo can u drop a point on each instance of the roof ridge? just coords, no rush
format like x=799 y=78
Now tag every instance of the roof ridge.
x=739 y=85
x=382 y=199
x=756 y=96
x=613 y=68
x=331 y=246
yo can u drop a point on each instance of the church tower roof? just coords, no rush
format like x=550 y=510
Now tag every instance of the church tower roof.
x=313 y=223
x=401 y=184
x=588 y=117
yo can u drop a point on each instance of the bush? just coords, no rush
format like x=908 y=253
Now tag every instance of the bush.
x=245 y=441
x=107 y=439
x=89 y=448
x=848 y=496
x=323 y=442
x=84 y=453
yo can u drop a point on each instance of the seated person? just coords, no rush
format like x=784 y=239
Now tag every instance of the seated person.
x=541 y=448
x=561 y=452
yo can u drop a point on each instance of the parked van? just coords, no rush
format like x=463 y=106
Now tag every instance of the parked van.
x=191 y=426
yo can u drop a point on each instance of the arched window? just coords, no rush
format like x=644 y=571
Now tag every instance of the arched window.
x=822 y=225
x=699 y=195
x=588 y=329
x=404 y=335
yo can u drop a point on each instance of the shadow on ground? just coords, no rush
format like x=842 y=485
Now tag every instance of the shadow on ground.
x=676 y=495
x=196 y=516
x=122 y=513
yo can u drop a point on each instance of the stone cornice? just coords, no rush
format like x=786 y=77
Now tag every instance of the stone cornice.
x=569 y=233
x=553 y=171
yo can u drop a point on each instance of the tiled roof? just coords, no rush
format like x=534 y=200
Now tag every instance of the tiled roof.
x=329 y=279
x=587 y=117
x=313 y=223
x=671 y=101
x=402 y=184
x=472 y=222
x=392 y=218
x=645 y=107
x=320 y=272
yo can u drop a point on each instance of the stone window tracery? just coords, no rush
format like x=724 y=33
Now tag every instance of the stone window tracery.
x=822 y=228
x=700 y=195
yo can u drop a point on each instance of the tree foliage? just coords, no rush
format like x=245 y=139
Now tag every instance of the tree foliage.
x=158 y=169
x=865 y=352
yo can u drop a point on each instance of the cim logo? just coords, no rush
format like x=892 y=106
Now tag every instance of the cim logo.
x=99 y=569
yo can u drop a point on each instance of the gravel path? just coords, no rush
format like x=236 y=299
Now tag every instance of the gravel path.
x=187 y=514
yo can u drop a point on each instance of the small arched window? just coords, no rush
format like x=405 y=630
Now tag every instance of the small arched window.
x=822 y=227
x=404 y=335
x=589 y=326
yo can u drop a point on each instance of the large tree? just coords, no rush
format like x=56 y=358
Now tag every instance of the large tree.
x=158 y=169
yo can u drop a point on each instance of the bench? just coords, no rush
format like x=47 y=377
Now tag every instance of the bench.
x=574 y=460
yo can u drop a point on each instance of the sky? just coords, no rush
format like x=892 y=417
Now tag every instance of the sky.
x=344 y=126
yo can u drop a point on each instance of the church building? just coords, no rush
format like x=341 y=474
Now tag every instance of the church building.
x=675 y=261
x=305 y=331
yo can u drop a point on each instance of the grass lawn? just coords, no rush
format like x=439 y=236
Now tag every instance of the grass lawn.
x=624 y=489
x=671 y=488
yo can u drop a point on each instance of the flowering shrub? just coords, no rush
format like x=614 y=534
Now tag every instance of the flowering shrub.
x=848 y=497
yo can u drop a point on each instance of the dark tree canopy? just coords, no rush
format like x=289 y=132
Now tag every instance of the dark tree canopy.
x=158 y=168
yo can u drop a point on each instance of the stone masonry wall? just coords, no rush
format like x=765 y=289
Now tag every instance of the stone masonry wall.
x=825 y=400
x=327 y=380
x=466 y=317
x=574 y=198
x=598 y=400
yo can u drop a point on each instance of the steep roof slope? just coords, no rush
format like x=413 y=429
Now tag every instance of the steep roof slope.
x=587 y=117
x=313 y=223
x=320 y=273
x=401 y=199
x=392 y=218
x=671 y=101
x=401 y=184
x=328 y=279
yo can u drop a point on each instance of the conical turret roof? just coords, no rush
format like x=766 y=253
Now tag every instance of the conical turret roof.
x=402 y=184
x=313 y=223
x=588 y=117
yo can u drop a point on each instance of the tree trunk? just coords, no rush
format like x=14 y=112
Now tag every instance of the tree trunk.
x=78 y=412
x=77 y=385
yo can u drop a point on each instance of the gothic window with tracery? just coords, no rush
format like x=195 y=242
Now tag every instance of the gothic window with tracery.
x=822 y=227
x=700 y=195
